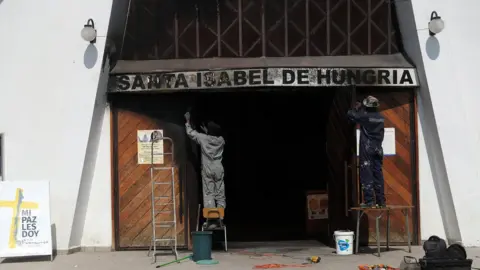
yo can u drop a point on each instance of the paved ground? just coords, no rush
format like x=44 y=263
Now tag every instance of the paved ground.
x=245 y=258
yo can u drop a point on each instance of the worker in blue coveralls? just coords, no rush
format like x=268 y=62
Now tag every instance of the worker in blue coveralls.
x=211 y=143
x=372 y=130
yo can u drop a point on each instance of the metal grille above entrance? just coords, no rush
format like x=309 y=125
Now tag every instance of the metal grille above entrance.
x=185 y=29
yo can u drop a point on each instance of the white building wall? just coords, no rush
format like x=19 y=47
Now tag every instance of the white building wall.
x=56 y=123
x=49 y=80
x=448 y=114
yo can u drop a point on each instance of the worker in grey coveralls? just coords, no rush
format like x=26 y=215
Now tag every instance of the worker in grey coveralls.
x=211 y=144
x=371 y=151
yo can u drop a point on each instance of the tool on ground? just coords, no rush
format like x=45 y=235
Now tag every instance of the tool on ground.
x=163 y=198
x=215 y=216
x=410 y=263
x=314 y=259
x=175 y=261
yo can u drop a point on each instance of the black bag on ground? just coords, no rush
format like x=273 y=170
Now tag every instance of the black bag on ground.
x=445 y=264
x=457 y=252
x=435 y=247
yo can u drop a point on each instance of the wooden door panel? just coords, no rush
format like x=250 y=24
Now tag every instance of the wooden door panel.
x=133 y=186
x=396 y=107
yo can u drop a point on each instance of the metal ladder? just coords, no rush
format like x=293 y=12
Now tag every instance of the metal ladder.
x=165 y=201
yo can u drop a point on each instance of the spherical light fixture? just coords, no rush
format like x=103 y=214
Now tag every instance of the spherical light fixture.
x=89 y=33
x=436 y=24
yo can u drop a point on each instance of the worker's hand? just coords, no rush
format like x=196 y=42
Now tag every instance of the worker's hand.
x=203 y=128
x=187 y=116
x=358 y=105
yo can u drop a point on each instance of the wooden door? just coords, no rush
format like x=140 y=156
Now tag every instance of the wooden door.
x=133 y=188
x=399 y=170
x=341 y=156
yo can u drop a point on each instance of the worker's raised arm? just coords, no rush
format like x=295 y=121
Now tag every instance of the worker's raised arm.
x=193 y=134
x=357 y=115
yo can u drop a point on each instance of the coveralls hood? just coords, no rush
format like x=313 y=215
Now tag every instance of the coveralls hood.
x=371 y=102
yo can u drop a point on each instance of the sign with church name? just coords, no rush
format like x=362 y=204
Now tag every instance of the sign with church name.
x=265 y=77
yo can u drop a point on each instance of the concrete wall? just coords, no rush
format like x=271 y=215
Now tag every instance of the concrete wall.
x=449 y=131
x=53 y=112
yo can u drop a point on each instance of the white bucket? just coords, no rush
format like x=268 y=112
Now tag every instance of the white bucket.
x=344 y=242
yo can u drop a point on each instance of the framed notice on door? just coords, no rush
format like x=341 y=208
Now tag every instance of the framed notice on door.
x=145 y=145
x=25 y=227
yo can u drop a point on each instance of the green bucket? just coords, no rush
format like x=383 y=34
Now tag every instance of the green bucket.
x=202 y=245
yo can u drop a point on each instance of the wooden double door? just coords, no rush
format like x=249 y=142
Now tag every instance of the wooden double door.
x=132 y=182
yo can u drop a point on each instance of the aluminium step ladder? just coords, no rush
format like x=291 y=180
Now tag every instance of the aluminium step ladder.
x=163 y=204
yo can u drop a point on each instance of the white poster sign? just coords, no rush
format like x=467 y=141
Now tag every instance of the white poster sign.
x=25 y=227
x=388 y=142
x=144 y=150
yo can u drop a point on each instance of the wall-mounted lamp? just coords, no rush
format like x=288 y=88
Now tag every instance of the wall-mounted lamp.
x=89 y=33
x=436 y=24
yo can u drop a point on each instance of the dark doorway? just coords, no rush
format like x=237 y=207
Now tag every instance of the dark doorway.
x=274 y=153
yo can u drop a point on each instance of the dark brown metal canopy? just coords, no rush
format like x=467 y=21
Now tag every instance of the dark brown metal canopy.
x=174 y=65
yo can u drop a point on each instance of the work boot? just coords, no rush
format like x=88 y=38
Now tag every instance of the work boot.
x=367 y=205
x=381 y=205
